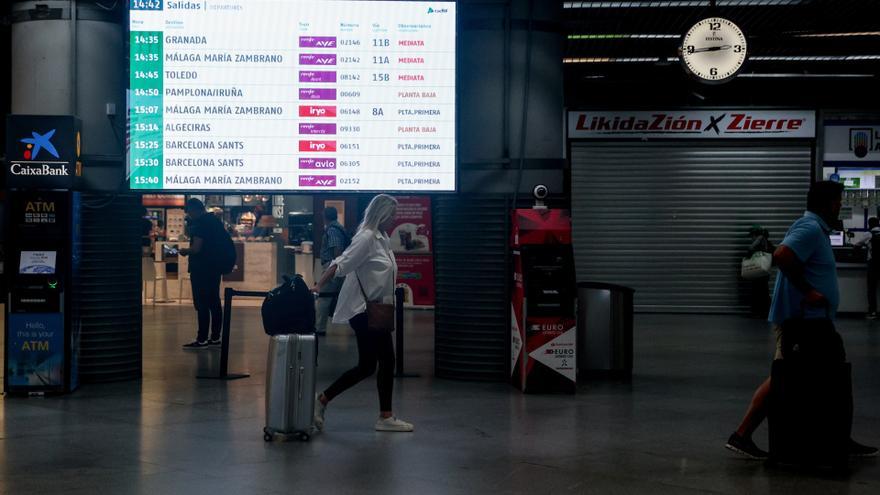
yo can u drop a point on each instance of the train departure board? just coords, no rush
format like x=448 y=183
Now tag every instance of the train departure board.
x=323 y=95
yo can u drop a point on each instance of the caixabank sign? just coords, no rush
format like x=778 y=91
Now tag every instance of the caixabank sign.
x=693 y=124
x=43 y=151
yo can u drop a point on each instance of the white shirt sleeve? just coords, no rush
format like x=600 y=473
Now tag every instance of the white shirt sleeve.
x=355 y=254
x=864 y=240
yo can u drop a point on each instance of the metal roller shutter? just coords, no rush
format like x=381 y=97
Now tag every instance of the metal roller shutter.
x=108 y=292
x=670 y=219
x=472 y=332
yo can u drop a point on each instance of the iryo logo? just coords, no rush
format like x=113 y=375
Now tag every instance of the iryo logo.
x=317 y=111
x=38 y=142
x=319 y=146
x=861 y=141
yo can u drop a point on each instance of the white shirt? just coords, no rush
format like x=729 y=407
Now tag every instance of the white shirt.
x=370 y=259
x=866 y=241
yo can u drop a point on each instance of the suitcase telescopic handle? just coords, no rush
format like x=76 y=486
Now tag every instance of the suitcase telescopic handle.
x=302 y=371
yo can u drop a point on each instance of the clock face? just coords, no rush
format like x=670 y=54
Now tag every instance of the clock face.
x=714 y=49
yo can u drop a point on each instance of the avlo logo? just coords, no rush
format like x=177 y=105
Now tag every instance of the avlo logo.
x=38 y=142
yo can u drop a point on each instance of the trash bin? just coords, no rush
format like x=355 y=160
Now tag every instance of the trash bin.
x=604 y=329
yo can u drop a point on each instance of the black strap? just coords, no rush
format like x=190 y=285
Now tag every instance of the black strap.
x=361 y=286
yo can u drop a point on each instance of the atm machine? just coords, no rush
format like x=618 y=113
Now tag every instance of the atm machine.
x=42 y=258
x=543 y=309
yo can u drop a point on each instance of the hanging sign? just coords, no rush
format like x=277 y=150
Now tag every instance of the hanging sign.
x=852 y=143
x=42 y=151
x=693 y=124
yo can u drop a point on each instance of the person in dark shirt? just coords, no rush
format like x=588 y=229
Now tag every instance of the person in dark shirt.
x=206 y=235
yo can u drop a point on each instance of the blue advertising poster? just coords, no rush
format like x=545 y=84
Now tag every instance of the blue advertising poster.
x=35 y=350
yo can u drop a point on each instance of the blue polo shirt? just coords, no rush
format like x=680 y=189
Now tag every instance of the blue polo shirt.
x=808 y=238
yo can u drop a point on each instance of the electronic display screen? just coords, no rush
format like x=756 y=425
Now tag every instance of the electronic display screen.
x=292 y=95
x=170 y=250
x=37 y=263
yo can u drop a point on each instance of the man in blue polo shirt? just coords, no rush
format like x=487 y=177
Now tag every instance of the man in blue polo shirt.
x=333 y=243
x=806 y=287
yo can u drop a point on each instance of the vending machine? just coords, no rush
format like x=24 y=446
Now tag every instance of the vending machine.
x=543 y=309
x=42 y=246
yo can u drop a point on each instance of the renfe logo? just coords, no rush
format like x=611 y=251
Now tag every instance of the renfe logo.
x=317 y=163
x=316 y=111
x=317 y=42
x=317 y=76
x=38 y=142
x=319 y=146
x=317 y=59
x=317 y=181
x=863 y=140
x=317 y=94
x=327 y=129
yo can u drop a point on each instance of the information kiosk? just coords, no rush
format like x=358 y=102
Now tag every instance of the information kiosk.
x=42 y=235
x=543 y=320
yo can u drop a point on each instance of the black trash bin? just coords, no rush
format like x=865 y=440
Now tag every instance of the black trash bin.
x=604 y=330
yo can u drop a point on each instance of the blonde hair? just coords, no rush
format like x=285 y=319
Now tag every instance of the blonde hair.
x=378 y=212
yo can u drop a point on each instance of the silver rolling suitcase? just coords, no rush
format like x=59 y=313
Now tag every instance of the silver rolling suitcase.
x=290 y=386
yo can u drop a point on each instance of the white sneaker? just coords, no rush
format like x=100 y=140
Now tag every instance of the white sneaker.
x=393 y=424
x=319 y=413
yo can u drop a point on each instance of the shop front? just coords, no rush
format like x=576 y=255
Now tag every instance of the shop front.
x=662 y=201
x=851 y=155
x=278 y=235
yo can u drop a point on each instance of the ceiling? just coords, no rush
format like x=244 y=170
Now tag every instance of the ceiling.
x=823 y=53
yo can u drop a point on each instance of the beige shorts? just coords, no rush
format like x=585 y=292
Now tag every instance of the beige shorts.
x=778 y=331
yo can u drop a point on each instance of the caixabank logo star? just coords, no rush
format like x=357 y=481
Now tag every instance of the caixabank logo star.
x=37 y=143
x=861 y=141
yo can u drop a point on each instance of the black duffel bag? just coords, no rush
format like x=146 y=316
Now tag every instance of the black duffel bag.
x=289 y=308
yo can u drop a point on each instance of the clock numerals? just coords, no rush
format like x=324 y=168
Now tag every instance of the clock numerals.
x=713 y=50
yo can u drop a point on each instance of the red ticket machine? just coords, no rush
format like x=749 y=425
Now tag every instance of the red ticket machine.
x=543 y=327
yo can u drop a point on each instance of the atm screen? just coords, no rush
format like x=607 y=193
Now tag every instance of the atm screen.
x=37 y=263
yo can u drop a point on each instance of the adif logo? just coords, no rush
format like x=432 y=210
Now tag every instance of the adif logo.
x=38 y=142
x=862 y=141
x=437 y=11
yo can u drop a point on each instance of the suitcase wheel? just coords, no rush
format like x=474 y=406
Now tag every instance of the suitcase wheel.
x=267 y=435
x=302 y=436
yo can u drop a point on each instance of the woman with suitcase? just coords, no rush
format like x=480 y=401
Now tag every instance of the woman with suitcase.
x=370 y=272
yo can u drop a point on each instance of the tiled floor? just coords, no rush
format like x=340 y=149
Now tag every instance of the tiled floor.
x=662 y=433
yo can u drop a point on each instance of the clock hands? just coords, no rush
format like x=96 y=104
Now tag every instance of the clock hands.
x=712 y=48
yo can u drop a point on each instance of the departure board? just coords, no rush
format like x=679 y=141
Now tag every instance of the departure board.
x=253 y=95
